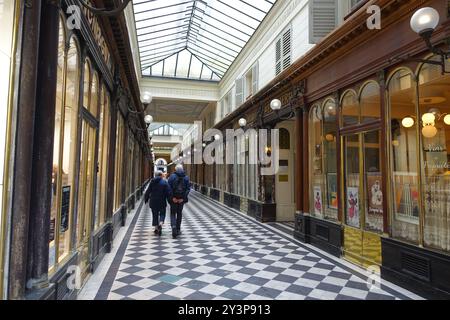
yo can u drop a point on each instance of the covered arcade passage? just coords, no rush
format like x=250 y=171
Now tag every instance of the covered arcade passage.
x=312 y=151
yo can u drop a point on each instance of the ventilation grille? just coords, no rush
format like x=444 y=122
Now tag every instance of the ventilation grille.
x=322 y=232
x=416 y=266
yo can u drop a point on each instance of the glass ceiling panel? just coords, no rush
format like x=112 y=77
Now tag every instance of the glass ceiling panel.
x=194 y=39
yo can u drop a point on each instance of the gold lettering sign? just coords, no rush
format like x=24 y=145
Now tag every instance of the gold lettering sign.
x=98 y=36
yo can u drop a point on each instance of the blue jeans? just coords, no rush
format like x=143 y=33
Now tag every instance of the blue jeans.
x=159 y=215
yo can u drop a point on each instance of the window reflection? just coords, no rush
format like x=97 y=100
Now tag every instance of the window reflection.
x=434 y=98
x=405 y=222
x=64 y=149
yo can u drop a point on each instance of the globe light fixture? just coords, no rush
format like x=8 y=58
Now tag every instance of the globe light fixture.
x=217 y=137
x=408 y=122
x=428 y=119
x=242 y=122
x=148 y=119
x=429 y=131
x=275 y=105
x=146 y=98
x=425 y=20
x=447 y=119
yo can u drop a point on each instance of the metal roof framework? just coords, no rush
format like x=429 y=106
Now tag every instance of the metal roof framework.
x=194 y=39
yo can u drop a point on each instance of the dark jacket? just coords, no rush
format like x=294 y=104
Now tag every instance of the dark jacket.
x=174 y=177
x=157 y=192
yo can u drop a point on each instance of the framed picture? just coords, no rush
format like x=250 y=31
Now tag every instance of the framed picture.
x=332 y=191
x=375 y=202
x=352 y=207
x=318 y=206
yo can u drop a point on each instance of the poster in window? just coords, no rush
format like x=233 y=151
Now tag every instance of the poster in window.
x=374 y=220
x=332 y=191
x=65 y=206
x=353 y=207
x=318 y=200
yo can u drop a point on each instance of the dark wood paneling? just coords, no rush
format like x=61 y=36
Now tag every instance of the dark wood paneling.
x=323 y=234
x=423 y=271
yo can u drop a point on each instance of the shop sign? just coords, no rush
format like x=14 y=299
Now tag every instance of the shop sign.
x=97 y=32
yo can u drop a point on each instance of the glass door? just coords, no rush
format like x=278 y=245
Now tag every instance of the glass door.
x=86 y=198
x=363 y=205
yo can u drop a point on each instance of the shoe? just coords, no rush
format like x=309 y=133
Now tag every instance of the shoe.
x=156 y=230
x=174 y=233
x=179 y=232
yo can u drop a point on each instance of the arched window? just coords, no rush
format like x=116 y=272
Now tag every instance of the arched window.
x=350 y=109
x=93 y=104
x=87 y=84
x=370 y=102
x=64 y=148
x=434 y=113
x=317 y=185
x=404 y=154
x=103 y=155
x=285 y=139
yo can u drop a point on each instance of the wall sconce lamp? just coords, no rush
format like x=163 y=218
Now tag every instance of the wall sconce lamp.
x=103 y=11
x=424 y=23
x=242 y=122
x=276 y=105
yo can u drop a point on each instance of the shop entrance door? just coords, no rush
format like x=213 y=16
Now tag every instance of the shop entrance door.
x=363 y=198
x=284 y=183
x=86 y=196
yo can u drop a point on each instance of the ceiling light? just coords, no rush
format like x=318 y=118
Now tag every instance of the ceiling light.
x=429 y=131
x=408 y=122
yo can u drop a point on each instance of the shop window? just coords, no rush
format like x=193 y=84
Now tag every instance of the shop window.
x=103 y=155
x=370 y=102
x=352 y=181
x=434 y=119
x=87 y=84
x=373 y=182
x=65 y=136
x=323 y=173
x=350 y=109
x=118 y=176
x=95 y=95
x=403 y=145
x=329 y=155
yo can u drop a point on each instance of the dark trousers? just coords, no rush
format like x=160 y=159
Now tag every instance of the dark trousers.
x=159 y=215
x=176 y=215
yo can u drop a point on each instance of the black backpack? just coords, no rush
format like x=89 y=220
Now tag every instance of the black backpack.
x=179 y=188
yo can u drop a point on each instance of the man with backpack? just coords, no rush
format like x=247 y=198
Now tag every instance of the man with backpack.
x=179 y=187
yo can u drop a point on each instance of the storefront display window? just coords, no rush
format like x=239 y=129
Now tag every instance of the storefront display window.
x=66 y=122
x=118 y=176
x=434 y=113
x=103 y=156
x=403 y=145
x=373 y=181
x=323 y=168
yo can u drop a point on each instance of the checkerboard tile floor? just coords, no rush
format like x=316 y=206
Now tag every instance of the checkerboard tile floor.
x=224 y=255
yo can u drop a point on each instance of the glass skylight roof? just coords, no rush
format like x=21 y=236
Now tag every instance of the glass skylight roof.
x=196 y=39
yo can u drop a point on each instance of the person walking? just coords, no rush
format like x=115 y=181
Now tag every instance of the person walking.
x=157 y=193
x=179 y=187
